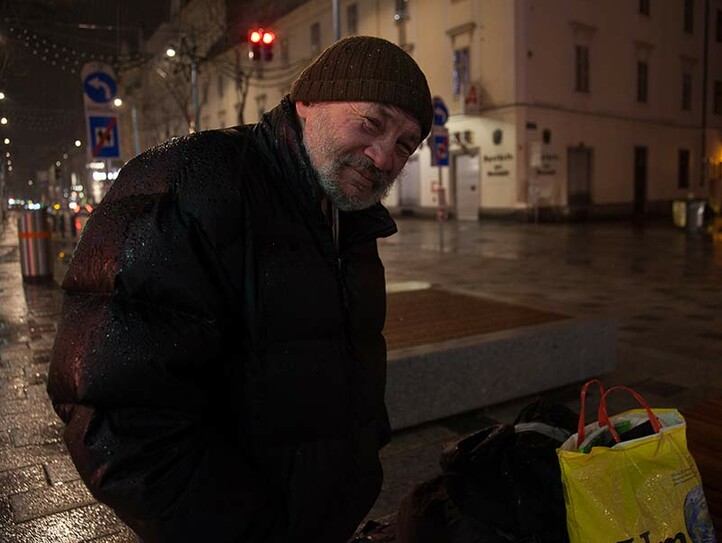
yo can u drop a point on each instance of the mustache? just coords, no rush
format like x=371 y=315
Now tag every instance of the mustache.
x=365 y=164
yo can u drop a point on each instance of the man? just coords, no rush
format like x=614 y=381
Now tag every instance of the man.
x=219 y=361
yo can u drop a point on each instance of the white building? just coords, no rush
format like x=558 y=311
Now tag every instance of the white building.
x=561 y=107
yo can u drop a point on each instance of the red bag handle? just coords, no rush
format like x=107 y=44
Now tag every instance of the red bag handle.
x=604 y=417
x=581 y=427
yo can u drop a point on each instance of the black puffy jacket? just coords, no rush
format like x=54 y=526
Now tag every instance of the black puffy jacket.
x=219 y=364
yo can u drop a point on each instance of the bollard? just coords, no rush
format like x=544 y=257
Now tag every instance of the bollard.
x=36 y=264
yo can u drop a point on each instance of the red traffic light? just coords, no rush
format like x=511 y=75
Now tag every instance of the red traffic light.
x=259 y=35
x=268 y=37
x=261 y=44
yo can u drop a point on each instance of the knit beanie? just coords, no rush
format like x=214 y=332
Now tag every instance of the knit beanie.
x=367 y=69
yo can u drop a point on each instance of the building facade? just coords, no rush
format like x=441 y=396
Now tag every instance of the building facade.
x=558 y=108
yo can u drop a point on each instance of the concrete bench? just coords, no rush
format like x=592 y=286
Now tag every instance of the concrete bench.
x=450 y=353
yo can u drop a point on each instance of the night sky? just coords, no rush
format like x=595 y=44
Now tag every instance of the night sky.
x=43 y=45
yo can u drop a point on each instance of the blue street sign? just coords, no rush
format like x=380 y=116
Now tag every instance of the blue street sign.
x=440 y=148
x=100 y=87
x=104 y=141
x=441 y=112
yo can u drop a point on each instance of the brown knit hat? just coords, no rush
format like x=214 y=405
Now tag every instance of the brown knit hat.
x=367 y=69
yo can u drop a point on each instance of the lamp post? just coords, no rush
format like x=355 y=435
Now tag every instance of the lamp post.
x=118 y=102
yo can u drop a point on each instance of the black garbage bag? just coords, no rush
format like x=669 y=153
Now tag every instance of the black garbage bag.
x=507 y=478
x=501 y=484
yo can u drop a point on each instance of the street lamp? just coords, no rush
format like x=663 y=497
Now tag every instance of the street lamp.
x=4 y=120
x=78 y=143
x=2 y=95
x=117 y=102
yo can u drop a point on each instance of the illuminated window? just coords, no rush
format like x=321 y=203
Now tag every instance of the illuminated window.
x=461 y=68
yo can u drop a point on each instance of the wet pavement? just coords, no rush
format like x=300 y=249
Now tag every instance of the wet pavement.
x=662 y=287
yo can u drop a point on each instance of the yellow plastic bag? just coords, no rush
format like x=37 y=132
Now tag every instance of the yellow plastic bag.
x=645 y=490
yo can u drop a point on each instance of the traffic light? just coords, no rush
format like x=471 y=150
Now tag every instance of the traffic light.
x=261 y=43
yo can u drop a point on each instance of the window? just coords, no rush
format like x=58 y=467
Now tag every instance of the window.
x=260 y=105
x=688 y=16
x=686 y=91
x=401 y=13
x=460 y=62
x=315 y=38
x=642 y=77
x=683 y=169
x=221 y=85
x=717 y=98
x=284 y=51
x=718 y=26
x=644 y=7
x=352 y=19
x=581 y=80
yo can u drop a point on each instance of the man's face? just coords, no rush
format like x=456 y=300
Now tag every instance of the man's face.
x=357 y=148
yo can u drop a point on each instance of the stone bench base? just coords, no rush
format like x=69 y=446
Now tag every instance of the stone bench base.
x=433 y=381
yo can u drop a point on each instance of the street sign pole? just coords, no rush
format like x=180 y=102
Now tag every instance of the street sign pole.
x=440 y=157
x=441 y=212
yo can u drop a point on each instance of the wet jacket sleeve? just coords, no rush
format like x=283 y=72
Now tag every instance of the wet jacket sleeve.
x=135 y=371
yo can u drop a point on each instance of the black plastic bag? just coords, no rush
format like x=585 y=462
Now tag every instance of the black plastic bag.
x=507 y=477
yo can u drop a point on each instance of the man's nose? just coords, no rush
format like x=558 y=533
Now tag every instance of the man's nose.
x=382 y=155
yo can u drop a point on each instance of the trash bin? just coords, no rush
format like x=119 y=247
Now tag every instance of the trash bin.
x=696 y=216
x=679 y=213
x=36 y=264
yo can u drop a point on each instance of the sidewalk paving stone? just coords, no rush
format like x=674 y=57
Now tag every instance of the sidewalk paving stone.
x=663 y=287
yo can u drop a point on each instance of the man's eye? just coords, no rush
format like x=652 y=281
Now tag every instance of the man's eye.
x=405 y=151
x=408 y=149
x=373 y=122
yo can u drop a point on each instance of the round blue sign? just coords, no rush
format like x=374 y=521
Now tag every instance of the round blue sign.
x=100 y=87
x=441 y=113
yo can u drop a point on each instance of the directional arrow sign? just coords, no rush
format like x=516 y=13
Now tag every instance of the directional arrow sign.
x=441 y=112
x=100 y=87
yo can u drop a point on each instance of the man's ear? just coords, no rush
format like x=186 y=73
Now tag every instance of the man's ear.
x=302 y=109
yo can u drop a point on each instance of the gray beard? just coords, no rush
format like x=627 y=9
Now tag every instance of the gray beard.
x=328 y=179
